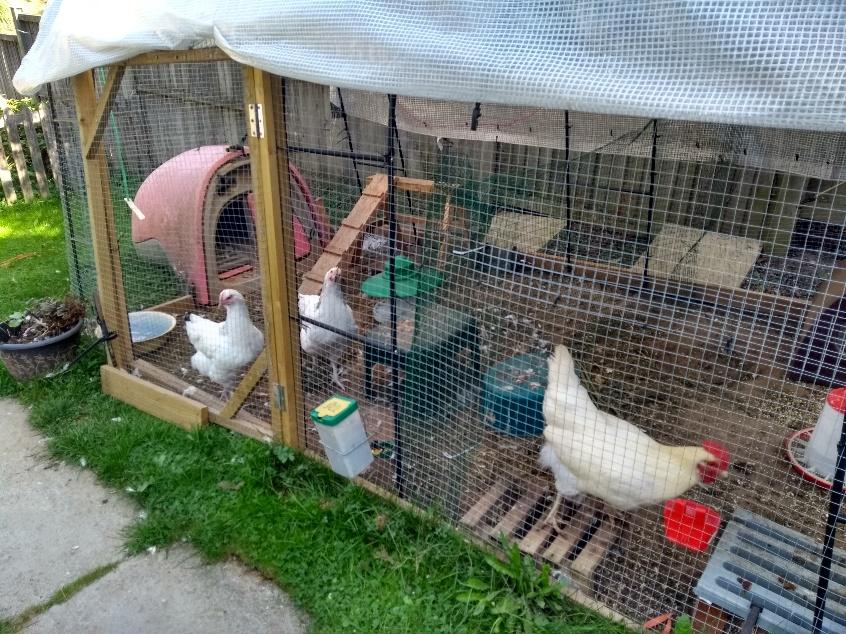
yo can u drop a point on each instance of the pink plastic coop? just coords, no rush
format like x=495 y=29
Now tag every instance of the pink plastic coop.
x=199 y=217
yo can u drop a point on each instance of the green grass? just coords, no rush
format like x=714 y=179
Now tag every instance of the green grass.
x=31 y=228
x=354 y=562
x=61 y=595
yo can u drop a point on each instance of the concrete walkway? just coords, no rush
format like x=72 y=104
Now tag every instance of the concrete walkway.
x=58 y=525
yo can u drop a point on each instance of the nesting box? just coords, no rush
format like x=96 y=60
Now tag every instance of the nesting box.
x=199 y=218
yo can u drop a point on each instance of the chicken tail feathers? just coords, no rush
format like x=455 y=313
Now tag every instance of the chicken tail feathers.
x=564 y=391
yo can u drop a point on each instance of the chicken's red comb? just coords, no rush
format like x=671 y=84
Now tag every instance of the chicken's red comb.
x=719 y=451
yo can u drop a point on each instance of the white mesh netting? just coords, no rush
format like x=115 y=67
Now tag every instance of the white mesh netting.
x=777 y=64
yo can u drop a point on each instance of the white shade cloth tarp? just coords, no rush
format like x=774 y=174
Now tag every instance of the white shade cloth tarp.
x=752 y=62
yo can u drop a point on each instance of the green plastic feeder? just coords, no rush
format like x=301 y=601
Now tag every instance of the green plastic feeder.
x=513 y=393
x=409 y=281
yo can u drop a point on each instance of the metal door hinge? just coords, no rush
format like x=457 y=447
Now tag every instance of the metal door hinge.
x=256 y=121
x=279 y=394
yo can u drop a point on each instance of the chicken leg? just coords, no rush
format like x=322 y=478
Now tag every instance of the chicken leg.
x=337 y=371
x=551 y=517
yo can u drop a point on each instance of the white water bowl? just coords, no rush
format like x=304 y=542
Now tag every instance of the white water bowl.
x=149 y=329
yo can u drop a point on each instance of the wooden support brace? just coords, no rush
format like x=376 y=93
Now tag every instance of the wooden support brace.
x=104 y=235
x=153 y=399
x=245 y=423
x=194 y=55
x=403 y=183
x=246 y=386
x=270 y=176
x=176 y=306
x=98 y=118
x=371 y=200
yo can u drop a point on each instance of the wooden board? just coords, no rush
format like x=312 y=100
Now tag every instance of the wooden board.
x=153 y=399
x=528 y=233
x=417 y=185
x=245 y=423
x=700 y=257
x=544 y=542
x=104 y=234
x=177 y=306
x=247 y=384
x=270 y=177
x=348 y=233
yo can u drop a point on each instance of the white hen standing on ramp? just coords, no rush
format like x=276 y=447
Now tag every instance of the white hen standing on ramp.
x=224 y=348
x=328 y=308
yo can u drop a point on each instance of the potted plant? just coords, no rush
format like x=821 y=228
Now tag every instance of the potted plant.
x=36 y=340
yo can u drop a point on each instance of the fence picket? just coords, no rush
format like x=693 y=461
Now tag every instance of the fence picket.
x=35 y=153
x=6 y=177
x=12 y=121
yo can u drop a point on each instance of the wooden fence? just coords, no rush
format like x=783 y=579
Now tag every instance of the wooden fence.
x=27 y=141
x=24 y=146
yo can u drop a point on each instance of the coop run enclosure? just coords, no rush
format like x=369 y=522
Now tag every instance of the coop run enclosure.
x=425 y=257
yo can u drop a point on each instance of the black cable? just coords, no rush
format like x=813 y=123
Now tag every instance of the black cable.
x=349 y=140
x=392 y=294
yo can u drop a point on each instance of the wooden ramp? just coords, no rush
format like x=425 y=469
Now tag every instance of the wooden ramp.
x=517 y=510
x=372 y=198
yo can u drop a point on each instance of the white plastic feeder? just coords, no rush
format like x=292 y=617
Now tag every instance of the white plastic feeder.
x=821 y=451
x=342 y=435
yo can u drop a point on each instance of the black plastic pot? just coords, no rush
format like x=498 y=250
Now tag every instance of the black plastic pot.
x=26 y=361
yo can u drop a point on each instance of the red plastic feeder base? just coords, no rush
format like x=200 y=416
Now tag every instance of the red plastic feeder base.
x=794 y=446
x=690 y=524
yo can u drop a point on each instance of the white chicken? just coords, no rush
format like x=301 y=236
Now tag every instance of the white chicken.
x=592 y=452
x=223 y=348
x=328 y=308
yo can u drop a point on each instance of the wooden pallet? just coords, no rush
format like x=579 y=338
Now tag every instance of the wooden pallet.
x=517 y=510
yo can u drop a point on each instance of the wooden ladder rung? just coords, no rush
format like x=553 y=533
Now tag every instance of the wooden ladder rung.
x=514 y=518
x=534 y=540
x=485 y=503
x=569 y=537
x=585 y=564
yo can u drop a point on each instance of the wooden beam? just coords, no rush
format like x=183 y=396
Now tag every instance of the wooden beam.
x=761 y=305
x=176 y=306
x=371 y=200
x=104 y=236
x=269 y=170
x=782 y=213
x=242 y=391
x=403 y=183
x=245 y=423
x=194 y=55
x=97 y=122
x=153 y=399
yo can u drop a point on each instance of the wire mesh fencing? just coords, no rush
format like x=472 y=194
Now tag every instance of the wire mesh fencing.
x=687 y=277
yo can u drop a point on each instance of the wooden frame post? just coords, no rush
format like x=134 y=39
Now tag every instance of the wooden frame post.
x=91 y=113
x=271 y=187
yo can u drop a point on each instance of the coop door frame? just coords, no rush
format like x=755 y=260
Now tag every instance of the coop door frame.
x=270 y=179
